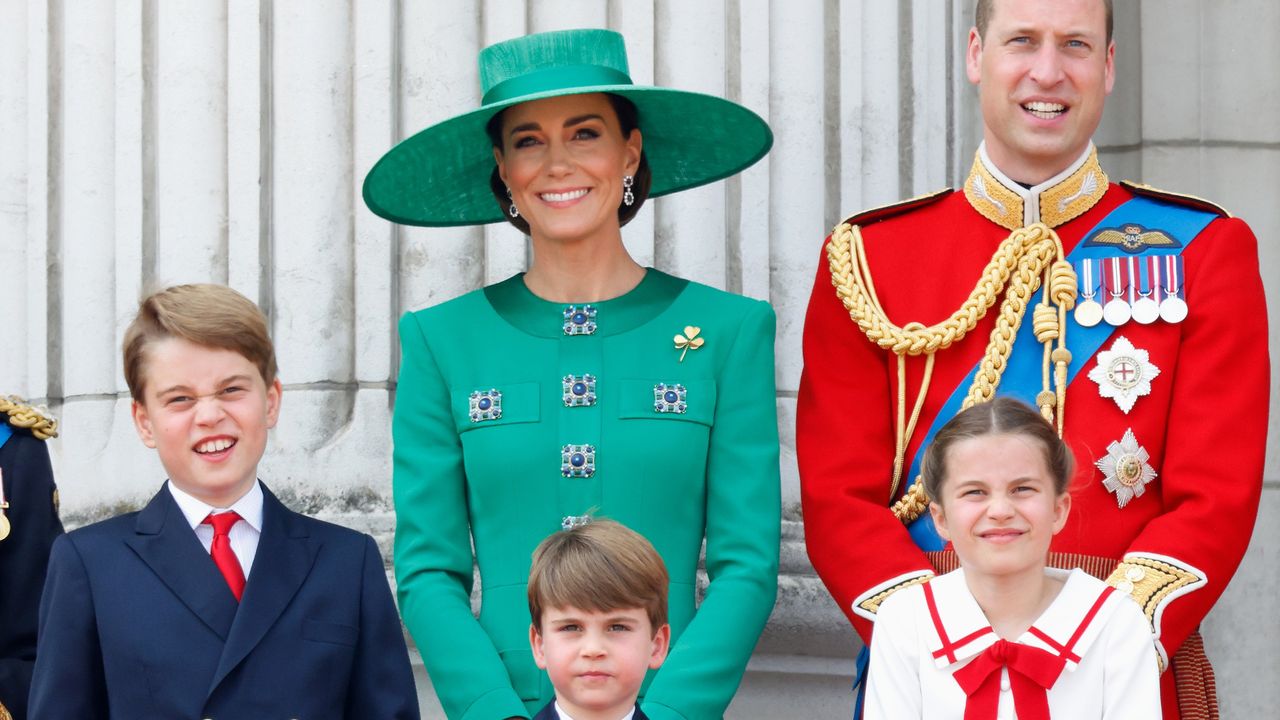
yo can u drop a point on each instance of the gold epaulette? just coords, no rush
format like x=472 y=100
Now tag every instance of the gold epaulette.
x=1198 y=203
x=884 y=211
x=21 y=415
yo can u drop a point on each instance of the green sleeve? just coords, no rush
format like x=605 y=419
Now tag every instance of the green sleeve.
x=705 y=665
x=433 y=558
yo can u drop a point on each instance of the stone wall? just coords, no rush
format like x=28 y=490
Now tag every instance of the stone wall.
x=144 y=143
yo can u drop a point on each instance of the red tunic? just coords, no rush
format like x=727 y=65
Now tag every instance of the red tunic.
x=1203 y=424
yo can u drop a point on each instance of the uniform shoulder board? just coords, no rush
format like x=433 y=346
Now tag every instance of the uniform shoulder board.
x=1198 y=203
x=902 y=206
x=19 y=414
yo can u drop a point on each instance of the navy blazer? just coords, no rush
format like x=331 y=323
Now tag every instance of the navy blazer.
x=24 y=555
x=548 y=712
x=137 y=622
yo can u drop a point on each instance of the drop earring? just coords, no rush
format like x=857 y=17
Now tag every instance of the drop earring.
x=628 y=198
x=513 y=211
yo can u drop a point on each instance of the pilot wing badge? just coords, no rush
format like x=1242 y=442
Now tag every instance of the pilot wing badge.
x=1132 y=239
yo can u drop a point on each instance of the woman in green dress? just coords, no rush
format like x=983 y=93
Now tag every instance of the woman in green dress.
x=588 y=384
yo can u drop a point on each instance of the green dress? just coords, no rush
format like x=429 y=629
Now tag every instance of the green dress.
x=501 y=436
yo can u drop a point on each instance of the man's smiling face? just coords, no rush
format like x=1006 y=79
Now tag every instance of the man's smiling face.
x=1043 y=69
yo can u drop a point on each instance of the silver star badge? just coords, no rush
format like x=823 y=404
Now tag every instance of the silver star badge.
x=1125 y=468
x=1124 y=373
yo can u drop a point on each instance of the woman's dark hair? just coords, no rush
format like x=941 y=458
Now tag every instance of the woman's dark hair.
x=1001 y=416
x=628 y=120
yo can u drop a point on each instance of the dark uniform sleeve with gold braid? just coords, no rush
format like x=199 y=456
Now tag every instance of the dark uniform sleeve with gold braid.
x=24 y=554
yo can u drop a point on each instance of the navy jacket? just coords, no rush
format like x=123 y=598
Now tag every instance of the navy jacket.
x=30 y=492
x=137 y=622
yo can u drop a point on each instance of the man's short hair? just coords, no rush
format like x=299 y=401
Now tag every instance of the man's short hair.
x=598 y=567
x=214 y=316
x=982 y=17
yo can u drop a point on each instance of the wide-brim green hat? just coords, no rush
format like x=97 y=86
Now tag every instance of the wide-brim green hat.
x=440 y=176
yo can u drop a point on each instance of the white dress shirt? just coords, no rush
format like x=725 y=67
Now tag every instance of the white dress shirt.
x=566 y=716
x=244 y=534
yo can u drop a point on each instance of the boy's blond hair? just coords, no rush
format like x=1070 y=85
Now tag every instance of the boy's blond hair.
x=214 y=316
x=598 y=567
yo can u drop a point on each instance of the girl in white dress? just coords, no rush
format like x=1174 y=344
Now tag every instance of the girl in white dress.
x=1004 y=636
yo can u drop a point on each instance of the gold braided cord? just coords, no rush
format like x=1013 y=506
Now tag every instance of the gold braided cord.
x=1040 y=247
x=22 y=415
x=1026 y=260
x=912 y=504
x=858 y=296
x=904 y=430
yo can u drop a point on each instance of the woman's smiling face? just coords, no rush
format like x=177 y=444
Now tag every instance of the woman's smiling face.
x=563 y=159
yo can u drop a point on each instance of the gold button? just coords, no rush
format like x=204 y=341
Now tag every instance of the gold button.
x=1135 y=574
x=1125 y=587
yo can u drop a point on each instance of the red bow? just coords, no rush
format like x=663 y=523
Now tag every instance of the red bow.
x=1032 y=672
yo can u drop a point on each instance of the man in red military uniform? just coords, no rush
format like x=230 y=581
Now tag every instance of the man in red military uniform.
x=1134 y=318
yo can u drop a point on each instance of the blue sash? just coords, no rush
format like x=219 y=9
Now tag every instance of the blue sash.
x=5 y=433
x=1022 y=377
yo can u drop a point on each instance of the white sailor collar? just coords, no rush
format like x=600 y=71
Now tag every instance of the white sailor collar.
x=1067 y=628
x=1055 y=201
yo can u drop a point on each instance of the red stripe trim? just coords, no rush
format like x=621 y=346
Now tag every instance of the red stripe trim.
x=967 y=639
x=1088 y=618
x=1067 y=651
x=948 y=648
x=1063 y=652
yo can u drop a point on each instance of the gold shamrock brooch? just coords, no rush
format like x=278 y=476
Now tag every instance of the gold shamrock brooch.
x=688 y=340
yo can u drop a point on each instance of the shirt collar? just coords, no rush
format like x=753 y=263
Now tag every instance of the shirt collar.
x=960 y=619
x=1055 y=201
x=969 y=632
x=1075 y=618
x=248 y=507
x=566 y=716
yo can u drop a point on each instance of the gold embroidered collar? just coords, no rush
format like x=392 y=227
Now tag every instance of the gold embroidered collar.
x=1053 y=202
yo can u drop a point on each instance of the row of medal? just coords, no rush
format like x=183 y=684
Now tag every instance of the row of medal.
x=4 y=520
x=1117 y=290
x=1138 y=288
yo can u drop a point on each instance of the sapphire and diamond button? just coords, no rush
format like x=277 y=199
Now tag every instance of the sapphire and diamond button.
x=485 y=405
x=579 y=390
x=579 y=320
x=669 y=398
x=569 y=522
x=578 y=461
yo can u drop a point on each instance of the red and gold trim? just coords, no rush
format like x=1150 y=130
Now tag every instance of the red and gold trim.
x=1153 y=581
x=1198 y=203
x=1054 y=202
x=866 y=217
x=868 y=603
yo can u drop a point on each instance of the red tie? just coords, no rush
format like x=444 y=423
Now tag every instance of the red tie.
x=1032 y=672
x=223 y=556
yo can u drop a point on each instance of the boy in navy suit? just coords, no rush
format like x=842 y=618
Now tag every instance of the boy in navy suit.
x=598 y=600
x=215 y=601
